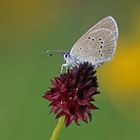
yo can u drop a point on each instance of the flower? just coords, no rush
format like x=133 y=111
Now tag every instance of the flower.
x=71 y=94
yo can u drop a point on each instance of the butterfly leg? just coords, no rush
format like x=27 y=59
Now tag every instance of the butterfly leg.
x=62 y=67
x=98 y=65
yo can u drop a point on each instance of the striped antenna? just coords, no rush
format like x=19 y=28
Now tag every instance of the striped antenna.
x=53 y=52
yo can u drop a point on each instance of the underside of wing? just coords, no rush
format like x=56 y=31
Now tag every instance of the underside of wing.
x=107 y=23
x=95 y=47
x=99 y=43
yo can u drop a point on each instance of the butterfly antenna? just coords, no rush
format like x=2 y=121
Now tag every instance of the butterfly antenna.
x=52 y=52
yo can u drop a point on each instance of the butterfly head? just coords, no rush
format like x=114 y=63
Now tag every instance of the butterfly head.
x=71 y=61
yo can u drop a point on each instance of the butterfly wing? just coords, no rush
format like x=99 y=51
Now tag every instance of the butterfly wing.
x=98 y=44
x=107 y=23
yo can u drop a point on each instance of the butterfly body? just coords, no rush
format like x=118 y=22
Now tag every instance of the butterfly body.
x=70 y=61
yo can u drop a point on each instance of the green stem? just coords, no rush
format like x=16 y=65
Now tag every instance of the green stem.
x=56 y=132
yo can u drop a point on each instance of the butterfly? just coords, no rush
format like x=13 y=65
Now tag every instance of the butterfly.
x=96 y=46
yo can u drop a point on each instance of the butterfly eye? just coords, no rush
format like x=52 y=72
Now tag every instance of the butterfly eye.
x=65 y=55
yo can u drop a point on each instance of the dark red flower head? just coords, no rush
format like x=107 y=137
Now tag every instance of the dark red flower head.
x=71 y=94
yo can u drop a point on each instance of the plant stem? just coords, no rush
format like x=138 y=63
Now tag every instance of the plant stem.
x=56 y=132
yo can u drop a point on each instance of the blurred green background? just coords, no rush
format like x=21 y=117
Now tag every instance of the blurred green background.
x=27 y=27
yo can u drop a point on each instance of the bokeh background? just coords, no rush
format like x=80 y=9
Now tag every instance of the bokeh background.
x=27 y=27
